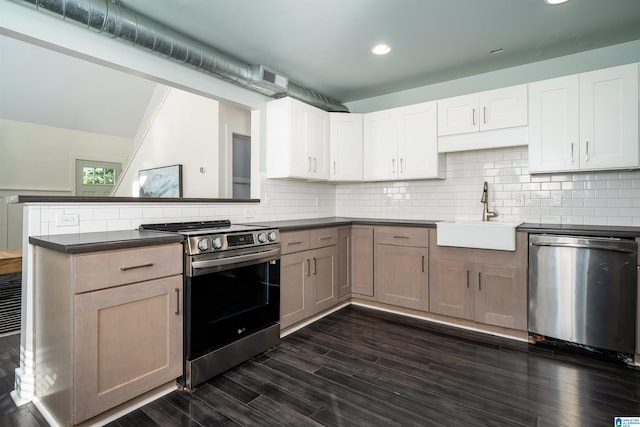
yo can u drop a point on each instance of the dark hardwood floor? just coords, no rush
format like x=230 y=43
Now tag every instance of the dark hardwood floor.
x=361 y=367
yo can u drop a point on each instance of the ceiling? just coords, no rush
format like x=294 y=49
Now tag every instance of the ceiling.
x=323 y=45
x=326 y=45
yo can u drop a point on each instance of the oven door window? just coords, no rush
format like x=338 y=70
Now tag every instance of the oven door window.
x=227 y=305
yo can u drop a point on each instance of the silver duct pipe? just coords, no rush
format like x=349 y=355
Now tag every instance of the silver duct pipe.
x=107 y=16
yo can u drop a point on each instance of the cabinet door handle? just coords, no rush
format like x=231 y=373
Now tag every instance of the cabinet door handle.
x=133 y=267
x=473 y=116
x=479 y=281
x=308 y=267
x=177 y=301
x=309 y=164
x=423 y=263
x=315 y=265
x=315 y=164
x=586 y=156
x=393 y=165
x=572 y=152
x=467 y=279
x=484 y=115
x=334 y=168
x=401 y=165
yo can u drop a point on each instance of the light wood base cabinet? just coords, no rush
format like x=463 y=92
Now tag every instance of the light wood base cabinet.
x=362 y=260
x=100 y=348
x=485 y=286
x=344 y=261
x=402 y=266
x=308 y=274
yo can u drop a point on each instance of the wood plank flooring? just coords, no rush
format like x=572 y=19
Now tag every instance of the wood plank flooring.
x=360 y=367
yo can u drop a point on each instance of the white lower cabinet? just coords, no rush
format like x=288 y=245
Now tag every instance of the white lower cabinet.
x=585 y=122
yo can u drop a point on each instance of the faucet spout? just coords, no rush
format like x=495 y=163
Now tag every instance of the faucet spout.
x=486 y=213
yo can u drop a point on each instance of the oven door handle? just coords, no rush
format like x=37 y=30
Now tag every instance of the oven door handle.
x=235 y=259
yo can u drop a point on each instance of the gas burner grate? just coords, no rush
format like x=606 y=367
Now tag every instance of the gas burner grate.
x=180 y=227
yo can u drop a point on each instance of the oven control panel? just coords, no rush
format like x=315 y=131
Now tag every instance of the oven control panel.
x=211 y=243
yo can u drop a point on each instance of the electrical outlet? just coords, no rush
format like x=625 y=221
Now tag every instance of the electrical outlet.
x=67 y=220
x=520 y=200
x=557 y=199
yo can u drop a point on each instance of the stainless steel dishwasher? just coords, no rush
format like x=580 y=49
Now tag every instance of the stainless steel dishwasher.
x=583 y=290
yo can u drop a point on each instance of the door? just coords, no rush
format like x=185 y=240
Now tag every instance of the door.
x=401 y=276
x=295 y=300
x=96 y=178
x=380 y=145
x=450 y=290
x=346 y=146
x=554 y=123
x=131 y=342
x=418 y=142
x=503 y=108
x=318 y=142
x=458 y=115
x=324 y=278
x=609 y=118
x=300 y=156
x=501 y=296
x=362 y=258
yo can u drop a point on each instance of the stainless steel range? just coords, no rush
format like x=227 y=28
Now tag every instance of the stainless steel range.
x=231 y=297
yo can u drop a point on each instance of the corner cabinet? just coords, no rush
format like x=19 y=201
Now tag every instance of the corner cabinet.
x=308 y=273
x=585 y=122
x=485 y=286
x=108 y=329
x=402 y=143
x=402 y=266
x=345 y=140
x=297 y=140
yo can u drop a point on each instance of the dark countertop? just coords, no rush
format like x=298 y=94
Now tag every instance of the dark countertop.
x=87 y=199
x=301 y=224
x=582 y=230
x=103 y=241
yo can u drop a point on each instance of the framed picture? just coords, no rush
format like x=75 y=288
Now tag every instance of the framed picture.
x=161 y=182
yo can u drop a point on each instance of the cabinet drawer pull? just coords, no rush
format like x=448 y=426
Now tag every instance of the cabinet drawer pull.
x=177 y=301
x=325 y=238
x=294 y=243
x=133 y=267
x=400 y=237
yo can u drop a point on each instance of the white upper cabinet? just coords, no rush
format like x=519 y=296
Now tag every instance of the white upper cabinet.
x=494 y=109
x=585 y=122
x=297 y=140
x=402 y=143
x=345 y=147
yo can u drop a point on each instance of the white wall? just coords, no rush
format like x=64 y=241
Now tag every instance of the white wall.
x=37 y=159
x=183 y=131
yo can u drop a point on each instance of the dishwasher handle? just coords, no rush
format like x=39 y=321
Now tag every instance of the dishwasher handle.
x=616 y=245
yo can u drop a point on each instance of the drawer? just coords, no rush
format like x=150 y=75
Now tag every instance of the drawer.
x=323 y=237
x=402 y=236
x=294 y=241
x=100 y=270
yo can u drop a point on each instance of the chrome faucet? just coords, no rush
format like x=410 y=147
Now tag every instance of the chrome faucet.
x=486 y=213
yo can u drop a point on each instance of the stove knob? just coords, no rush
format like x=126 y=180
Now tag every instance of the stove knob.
x=272 y=236
x=216 y=243
x=262 y=237
x=203 y=245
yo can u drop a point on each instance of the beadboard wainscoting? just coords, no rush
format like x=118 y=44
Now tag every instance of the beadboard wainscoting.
x=595 y=198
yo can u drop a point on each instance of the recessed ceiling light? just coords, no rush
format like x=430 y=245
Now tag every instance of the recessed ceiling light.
x=381 y=49
x=495 y=51
x=553 y=2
